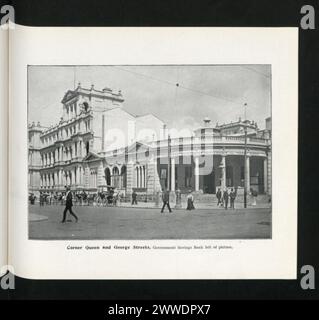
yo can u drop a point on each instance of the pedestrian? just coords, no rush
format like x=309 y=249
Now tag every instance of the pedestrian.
x=190 y=201
x=32 y=198
x=225 y=196
x=134 y=197
x=68 y=205
x=232 y=197
x=219 y=197
x=165 y=198
x=41 y=198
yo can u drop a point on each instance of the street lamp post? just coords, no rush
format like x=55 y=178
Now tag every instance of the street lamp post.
x=245 y=162
x=169 y=163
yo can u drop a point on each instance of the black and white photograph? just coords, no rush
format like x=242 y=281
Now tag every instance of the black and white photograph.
x=149 y=152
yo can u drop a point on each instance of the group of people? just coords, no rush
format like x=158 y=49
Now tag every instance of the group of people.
x=111 y=197
x=225 y=197
x=165 y=199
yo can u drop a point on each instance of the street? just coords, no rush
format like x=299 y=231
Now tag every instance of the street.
x=148 y=223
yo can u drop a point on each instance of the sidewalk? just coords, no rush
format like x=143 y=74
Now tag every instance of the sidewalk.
x=151 y=205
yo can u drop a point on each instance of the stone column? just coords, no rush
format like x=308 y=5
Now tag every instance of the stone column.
x=55 y=178
x=265 y=176
x=223 y=172
x=247 y=174
x=129 y=177
x=269 y=171
x=172 y=174
x=64 y=178
x=73 y=177
x=143 y=176
x=80 y=176
x=196 y=173
x=136 y=178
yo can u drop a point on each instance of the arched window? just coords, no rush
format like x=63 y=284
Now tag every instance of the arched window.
x=87 y=146
x=86 y=106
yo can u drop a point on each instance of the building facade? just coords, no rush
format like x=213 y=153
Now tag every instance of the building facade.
x=98 y=144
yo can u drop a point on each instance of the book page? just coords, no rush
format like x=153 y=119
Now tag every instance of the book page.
x=154 y=153
x=3 y=144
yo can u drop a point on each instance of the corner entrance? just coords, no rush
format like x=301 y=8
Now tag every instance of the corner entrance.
x=209 y=183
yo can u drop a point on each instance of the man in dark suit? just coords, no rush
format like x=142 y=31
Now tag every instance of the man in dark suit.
x=165 y=198
x=134 y=197
x=232 y=197
x=68 y=205
x=225 y=196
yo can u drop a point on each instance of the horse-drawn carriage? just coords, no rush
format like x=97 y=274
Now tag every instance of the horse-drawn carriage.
x=107 y=195
x=103 y=196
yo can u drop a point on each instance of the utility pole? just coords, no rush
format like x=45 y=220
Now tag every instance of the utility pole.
x=245 y=161
x=169 y=163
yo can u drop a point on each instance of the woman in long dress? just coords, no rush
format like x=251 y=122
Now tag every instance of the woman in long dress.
x=190 y=201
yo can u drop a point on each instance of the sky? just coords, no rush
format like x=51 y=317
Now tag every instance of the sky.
x=181 y=96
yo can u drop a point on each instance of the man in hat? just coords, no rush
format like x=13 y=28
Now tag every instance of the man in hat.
x=68 y=205
x=165 y=198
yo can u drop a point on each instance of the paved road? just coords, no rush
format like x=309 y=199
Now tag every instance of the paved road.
x=138 y=223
